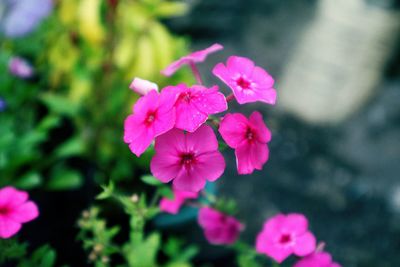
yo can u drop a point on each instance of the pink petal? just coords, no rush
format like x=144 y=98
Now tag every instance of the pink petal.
x=263 y=133
x=278 y=253
x=267 y=96
x=202 y=140
x=304 y=244
x=272 y=227
x=165 y=167
x=210 y=165
x=240 y=65
x=165 y=164
x=24 y=213
x=316 y=259
x=143 y=141
x=11 y=197
x=146 y=103
x=233 y=129
x=208 y=217
x=209 y=101
x=250 y=156
x=8 y=227
x=133 y=128
x=171 y=205
x=142 y=87
x=335 y=265
x=295 y=223
x=200 y=56
x=188 y=117
x=222 y=72
x=262 y=78
x=189 y=181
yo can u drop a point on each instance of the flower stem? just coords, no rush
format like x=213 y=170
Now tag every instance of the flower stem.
x=229 y=97
x=196 y=73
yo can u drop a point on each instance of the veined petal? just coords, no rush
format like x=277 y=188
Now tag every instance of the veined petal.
x=210 y=165
x=210 y=101
x=189 y=181
x=233 y=129
x=240 y=65
x=263 y=133
x=202 y=140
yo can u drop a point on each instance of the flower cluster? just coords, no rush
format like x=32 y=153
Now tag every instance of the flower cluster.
x=186 y=148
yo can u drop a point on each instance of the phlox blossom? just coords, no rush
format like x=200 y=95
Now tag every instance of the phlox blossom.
x=20 y=67
x=188 y=159
x=248 y=82
x=153 y=115
x=284 y=235
x=194 y=104
x=142 y=87
x=173 y=205
x=195 y=57
x=15 y=209
x=249 y=138
x=219 y=228
x=317 y=259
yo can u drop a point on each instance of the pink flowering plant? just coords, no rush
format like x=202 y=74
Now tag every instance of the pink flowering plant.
x=185 y=127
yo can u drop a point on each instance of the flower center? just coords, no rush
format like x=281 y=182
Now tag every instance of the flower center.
x=285 y=238
x=187 y=159
x=185 y=97
x=4 y=210
x=243 y=83
x=249 y=134
x=150 y=117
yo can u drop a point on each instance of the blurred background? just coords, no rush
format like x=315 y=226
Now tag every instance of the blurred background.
x=335 y=151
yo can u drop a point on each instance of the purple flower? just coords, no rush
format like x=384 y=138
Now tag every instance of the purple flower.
x=20 y=67
x=23 y=16
x=3 y=104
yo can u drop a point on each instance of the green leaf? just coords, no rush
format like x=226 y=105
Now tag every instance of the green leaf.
x=150 y=180
x=59 y=104
x=166 y=191
x=72 y=147
x=108 y=191
x=62 y=178
x=29 y=181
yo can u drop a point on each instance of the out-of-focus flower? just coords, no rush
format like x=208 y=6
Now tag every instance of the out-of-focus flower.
x=142 y=87
x=248 y=82
x=194 y=104
x=20 y=67
x=173 y=205
x=219 y=228
x=198 y=56
x=317 y=259
x=284 y=235
x=153 y=115
x=188 y=159
x=15 y=209
x=249 y=138
x=20 y=17
x=3 y=104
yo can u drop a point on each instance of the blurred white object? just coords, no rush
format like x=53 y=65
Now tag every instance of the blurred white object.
x=142 y=87
x=339 y=61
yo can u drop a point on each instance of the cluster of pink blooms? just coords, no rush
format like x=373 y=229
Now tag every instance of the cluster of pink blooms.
x=186 y=149
x=15 y=209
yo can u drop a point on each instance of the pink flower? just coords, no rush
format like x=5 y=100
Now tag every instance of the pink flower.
x=188 y=159
x=142 y=87
x=284 y=235
x=249 y=138
x=15 y=210
x=248 y=82
x=173 y=205
x=219 y=229
x=198 y=56
x=20 y=67
x=317 y=259
x=153 y=115
x=194 y=104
